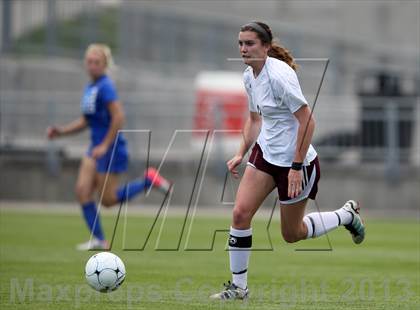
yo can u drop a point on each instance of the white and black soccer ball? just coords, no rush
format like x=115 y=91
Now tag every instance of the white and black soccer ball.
x=105 y=272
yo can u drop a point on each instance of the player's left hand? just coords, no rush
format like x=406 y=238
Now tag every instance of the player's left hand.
x=99 y=151
x=295 y=183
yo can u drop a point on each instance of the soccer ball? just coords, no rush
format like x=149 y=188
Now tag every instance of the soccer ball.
x=105 y=272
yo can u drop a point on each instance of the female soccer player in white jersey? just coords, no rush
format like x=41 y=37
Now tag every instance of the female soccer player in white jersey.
x=281 y=123
x=102 y=112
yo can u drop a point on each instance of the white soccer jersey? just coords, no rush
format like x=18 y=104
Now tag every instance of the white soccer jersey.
x=276 y=95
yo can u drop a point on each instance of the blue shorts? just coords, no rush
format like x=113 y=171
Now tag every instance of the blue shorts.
x=116 y=163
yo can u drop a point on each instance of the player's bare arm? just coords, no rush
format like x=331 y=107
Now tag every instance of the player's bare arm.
x=73 y=127
x=250 y=133
x=304 y=138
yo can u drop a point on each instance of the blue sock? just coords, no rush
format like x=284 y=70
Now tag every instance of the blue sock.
x=89 y=213
x=131 y=189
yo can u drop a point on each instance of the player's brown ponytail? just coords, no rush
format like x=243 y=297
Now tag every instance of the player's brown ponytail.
x=280 y=52
x=276 y=50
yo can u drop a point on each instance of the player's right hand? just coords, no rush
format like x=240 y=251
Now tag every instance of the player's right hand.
x=53 y=132
x=233 y=163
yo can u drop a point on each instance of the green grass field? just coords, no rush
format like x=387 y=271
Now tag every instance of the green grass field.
x=41 y=270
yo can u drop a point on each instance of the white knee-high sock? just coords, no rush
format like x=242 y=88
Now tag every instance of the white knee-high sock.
x=345 y=216
x=240 y=242
x=319 y=223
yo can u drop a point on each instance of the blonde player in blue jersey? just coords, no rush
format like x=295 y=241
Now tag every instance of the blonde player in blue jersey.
x=280 y=124
x=103 y=113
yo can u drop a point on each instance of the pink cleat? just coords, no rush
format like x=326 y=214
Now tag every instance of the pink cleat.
x=157 y=180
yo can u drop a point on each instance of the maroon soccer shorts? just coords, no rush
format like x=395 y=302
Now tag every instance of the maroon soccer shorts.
x=311 y=176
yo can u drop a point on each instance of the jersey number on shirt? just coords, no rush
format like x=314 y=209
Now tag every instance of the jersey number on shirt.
x=88 y=103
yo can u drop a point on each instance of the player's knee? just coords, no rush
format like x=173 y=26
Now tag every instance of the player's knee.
x=241 y=216
x=108 y=201
x=83 y=194
x=291 y=236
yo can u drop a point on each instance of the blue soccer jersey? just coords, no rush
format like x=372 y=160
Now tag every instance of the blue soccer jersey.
x=94 y=105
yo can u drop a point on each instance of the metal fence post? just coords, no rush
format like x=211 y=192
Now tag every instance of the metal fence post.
x=6 y=26
x=52 y=158
x=218 y=124
x=90 y=30
x=51 y=27
x=52 y=161
x=392 y=142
